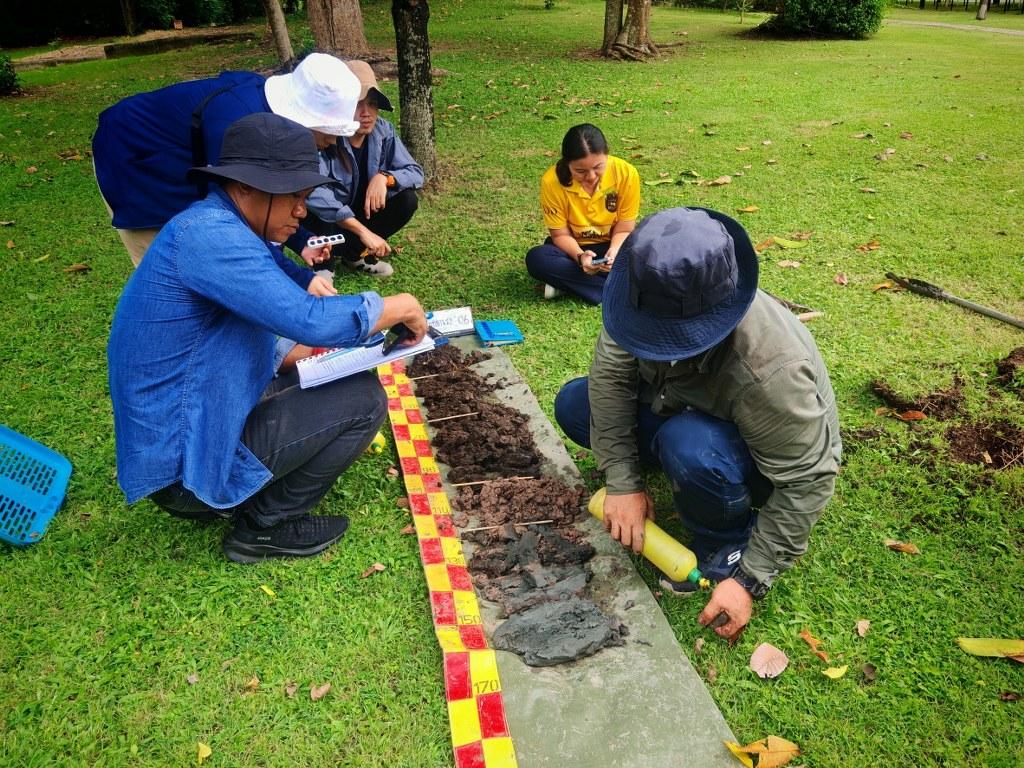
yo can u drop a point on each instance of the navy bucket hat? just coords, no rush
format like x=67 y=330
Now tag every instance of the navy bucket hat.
x=268 y=152
x=681 y=283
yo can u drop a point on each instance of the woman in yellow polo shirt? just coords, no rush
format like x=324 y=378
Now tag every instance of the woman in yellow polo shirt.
x=590 y=201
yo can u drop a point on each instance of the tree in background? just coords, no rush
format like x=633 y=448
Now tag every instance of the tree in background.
x=628 y=38
x=855 y=19
x=337 y=27
x=279 y=31
x=415 y=92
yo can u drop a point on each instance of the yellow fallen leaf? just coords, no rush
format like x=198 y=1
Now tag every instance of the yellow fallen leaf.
x=764 y=244
x=252 y=685
x=268 y=590
x=742 y=149
x=204 y=752
x=782 y=242
x=770 y=752
x=748 y=209
x=992 y=646
x=835 y=672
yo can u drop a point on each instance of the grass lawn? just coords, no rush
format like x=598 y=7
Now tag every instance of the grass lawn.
x=106 y=618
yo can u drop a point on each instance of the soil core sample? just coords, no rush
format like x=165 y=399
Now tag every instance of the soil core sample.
x=526 y=555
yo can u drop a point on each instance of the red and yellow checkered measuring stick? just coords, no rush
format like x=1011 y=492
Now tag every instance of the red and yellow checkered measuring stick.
x=476 y=710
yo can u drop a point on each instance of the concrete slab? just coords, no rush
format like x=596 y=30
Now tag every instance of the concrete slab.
x=635 y=706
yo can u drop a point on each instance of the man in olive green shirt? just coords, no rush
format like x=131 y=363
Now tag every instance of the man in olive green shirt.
x=701 y=374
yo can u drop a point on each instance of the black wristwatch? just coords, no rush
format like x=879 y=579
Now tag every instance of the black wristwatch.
x=757 y=589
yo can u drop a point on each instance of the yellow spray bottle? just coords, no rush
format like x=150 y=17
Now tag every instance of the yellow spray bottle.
x=378 y=444
x=668 y=555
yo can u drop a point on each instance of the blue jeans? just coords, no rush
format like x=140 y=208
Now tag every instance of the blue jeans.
x=550 y=264
x=306 y=437
x=715 y=483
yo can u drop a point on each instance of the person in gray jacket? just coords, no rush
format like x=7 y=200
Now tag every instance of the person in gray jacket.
x=374 y=194
x=699 y=373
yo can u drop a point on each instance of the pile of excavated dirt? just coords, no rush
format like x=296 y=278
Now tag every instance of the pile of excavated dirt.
x=940 y=404
x=997 y=444
x=537 y=574
x=1010 y=371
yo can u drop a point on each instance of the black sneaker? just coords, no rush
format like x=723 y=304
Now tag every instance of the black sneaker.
x=300 y=537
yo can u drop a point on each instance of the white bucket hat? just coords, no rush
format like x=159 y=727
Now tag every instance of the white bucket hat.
x=320 y=94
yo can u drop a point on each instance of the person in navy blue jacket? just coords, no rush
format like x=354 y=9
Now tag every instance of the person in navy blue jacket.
x=145 y=144
x=375 y=182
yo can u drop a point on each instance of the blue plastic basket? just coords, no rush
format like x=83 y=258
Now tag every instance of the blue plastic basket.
x=33 y=480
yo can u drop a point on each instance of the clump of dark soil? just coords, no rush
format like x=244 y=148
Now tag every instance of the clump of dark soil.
x=997 y=444
x=520 y=501
x=553 y=633
x=940 y=404
x=1010 y=371
x=494 y=441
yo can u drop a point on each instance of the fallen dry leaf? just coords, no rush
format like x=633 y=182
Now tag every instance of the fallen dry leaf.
x=290 y=689
x=77 y=268
x=841 y=278
x=947 y=158
x=910 y=416
x=862 y=135
x=868 y=190
x=719 y=182
x=764 y=244
x=748 y=209
x=886 y=286
x=815 y=644
x=31 y=169
x=805 y=317
x=862 y=627
x=203 y=752
x=871 y=245
x=870 y=672
x=10 y=243
x=192 y=679
x=712 y=674
x=801 y=235
x=835 y=672
x=742 y=149
x=393 y=471
x=986 y=457
x=698 y=646
x=375 y=568
x=251 y=685
x=788 y=264
x=317 y=692
x=6 y=223
x=902 y=546
x=767 y=142
x=768 y=662
x=408 y=530
x=402 y=502
x=1009 y=696
x=993 y=646
x=770 y=752
x=906 y=135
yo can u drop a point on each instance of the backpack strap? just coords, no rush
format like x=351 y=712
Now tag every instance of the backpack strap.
x=198 y=142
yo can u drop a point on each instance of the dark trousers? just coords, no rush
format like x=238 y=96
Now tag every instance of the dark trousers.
x=395 y=214
x=550 y=264
x=305 y=437
x=715 y=483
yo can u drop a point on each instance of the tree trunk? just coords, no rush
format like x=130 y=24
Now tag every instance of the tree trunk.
x=982 y=10
x=415 y=87
x=612 y=25
x=279 y=30
x=131 y=24
x=633 y=40
x=337 y=27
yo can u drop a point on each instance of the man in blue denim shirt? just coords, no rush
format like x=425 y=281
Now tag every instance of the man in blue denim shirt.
x=202 y=426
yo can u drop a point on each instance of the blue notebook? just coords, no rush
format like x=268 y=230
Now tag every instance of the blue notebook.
x=496 y=333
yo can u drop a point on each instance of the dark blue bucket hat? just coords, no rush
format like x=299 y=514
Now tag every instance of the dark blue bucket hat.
x=682 y=281
x=268 y=152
